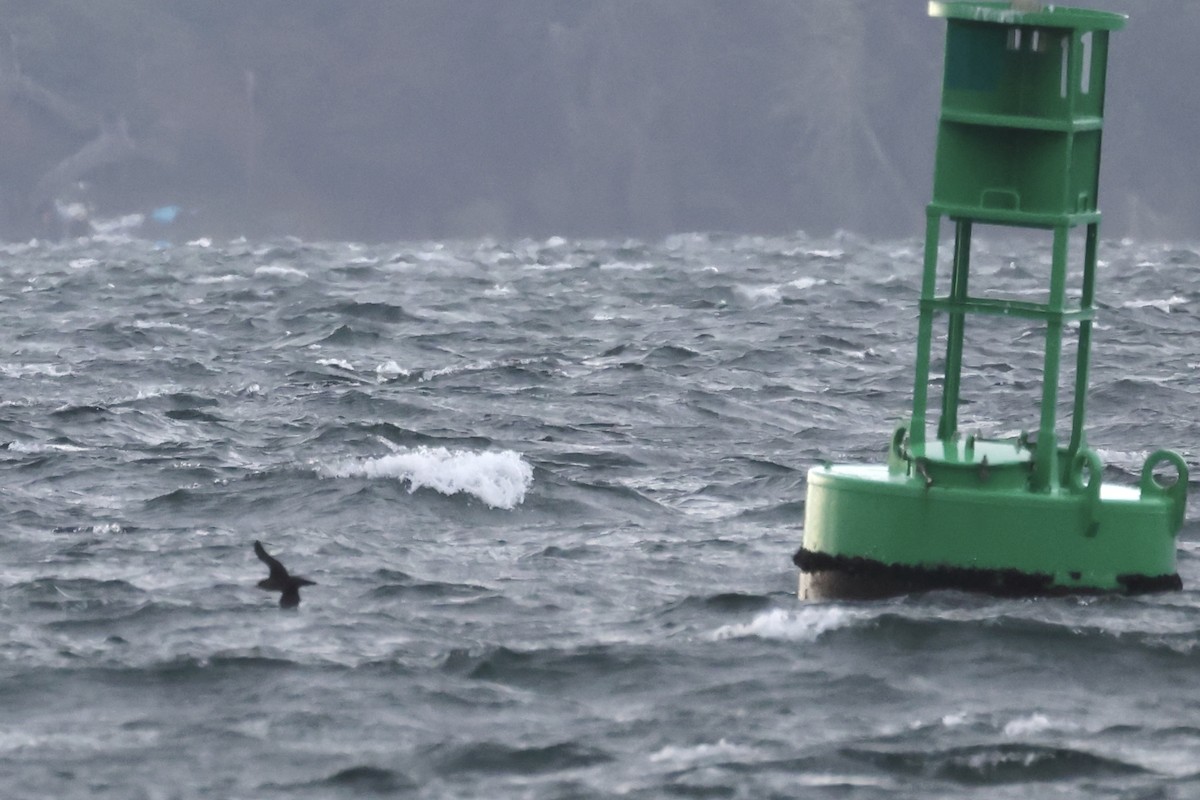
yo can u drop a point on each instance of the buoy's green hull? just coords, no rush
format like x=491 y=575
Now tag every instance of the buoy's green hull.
x=1018 y=145
x=870 y=531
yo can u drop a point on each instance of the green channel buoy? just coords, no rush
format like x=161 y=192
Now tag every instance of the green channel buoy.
x=1019 y=146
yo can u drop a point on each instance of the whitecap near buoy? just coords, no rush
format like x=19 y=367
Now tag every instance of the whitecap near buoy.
x=499 y=478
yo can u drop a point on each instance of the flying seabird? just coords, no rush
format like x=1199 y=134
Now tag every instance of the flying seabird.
x=279 y=580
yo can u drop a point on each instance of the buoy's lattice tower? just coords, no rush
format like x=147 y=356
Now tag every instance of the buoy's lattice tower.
x=1018 y=145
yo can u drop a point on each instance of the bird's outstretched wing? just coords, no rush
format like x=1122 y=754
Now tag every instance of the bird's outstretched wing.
x=280 y=580
x=278 y=572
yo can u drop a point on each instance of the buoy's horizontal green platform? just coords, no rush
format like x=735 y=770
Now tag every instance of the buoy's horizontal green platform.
x=1018 y=145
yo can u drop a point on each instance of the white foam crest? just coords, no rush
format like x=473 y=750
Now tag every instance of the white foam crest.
x=19 y=742
x=391 y=370
x=761 y=294
x=1024 y=726
x=146 y=324
x=773 y=293
x=686 y=241
x=430 y=374
x=43 y=447
x=438 y=254
x=1128 y=460
x=28 y=370
x=282 y=270
x=152 y=391
x=498 y=478
x=1165 y=306
x=340 y=363
x=478 y=366
x=82 y=263
x=821 y=252
x=557 y=266
x=798 y=625
x=720 y=750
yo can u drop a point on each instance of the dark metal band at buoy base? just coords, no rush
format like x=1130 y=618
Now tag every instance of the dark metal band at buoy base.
x=867 y=578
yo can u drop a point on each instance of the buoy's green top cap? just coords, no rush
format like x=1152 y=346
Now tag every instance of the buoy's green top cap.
x=1049 y=16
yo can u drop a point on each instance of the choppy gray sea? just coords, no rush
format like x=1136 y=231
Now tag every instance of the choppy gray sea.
x=549 y=492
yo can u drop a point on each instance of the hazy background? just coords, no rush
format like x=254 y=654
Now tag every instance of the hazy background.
x=387 y=119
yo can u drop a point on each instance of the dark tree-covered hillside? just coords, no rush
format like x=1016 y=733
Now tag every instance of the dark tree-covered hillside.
x=384 y=119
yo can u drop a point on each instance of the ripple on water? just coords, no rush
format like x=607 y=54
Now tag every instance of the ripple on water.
x=550 y=490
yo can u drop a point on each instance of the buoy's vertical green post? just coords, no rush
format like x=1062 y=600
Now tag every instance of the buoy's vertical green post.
x=1018 y=145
